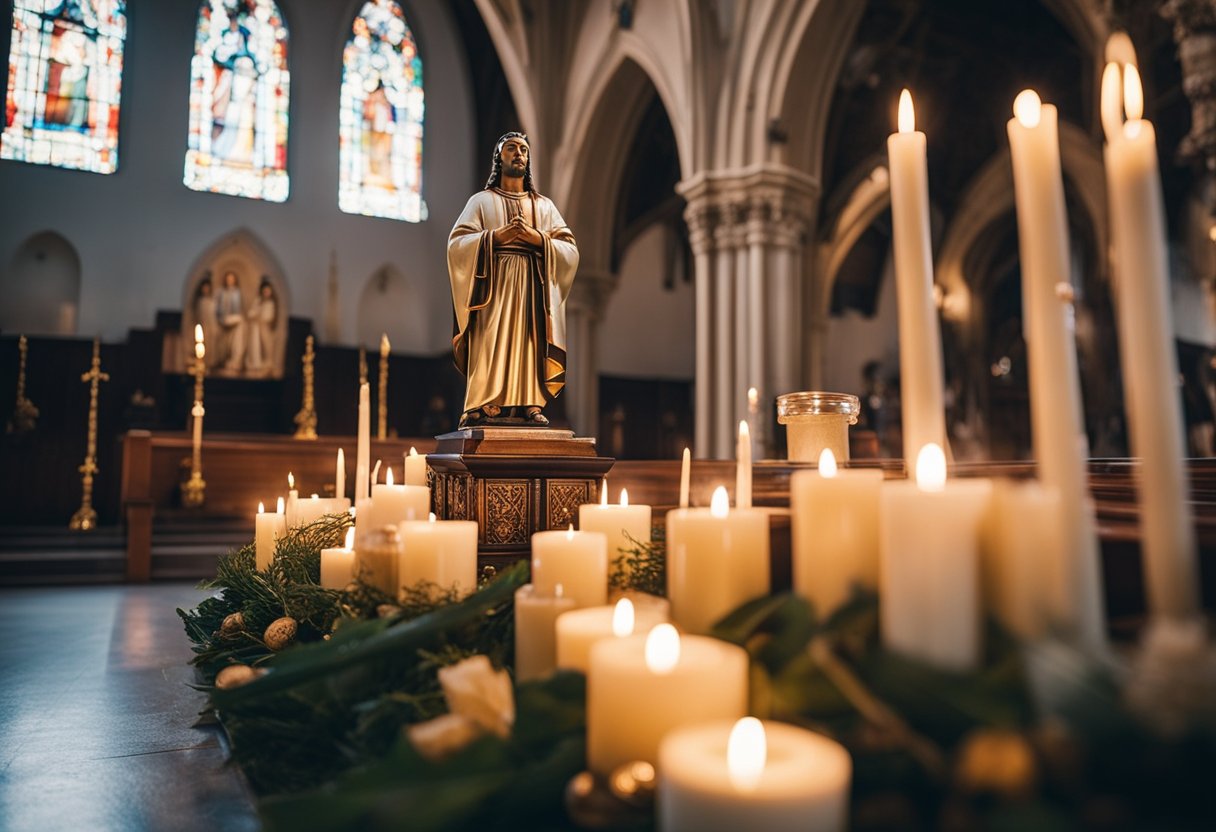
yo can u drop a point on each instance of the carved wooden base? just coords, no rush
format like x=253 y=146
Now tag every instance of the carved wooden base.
x=513 y=482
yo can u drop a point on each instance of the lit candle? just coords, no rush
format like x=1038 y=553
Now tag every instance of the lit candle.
x=752 y=775
x=685 y=477
x=617 y=523
x=363 y=451
x=834 y=531
x=930 y=564
x=535 y=630
x=716 y=560
x=1025 y=559
x=268 y=528
x=440 y=552
x=392 y=504
x=920 y=346
x=340 y=475
x=576 y=560
x=743 y=468
x=338 y=565
x=642 y=687
x=415 y=468
x=293 y=497
x=1146 y=338
x=579 y=630
x=1056 y=421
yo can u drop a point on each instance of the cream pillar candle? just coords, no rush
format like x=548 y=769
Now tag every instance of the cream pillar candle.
x=743 y=468
x=930 y=564
x=392 y=504
x=642 y=687
x=685 y=477
x=293 y=496
x=1146 y=339
x=920 y=345
x=834 y=531
x=340 y=476
x=1056 y=422
x=579 y=630
x=535 y=630
x=338 y=565
x=716 y=560
x=268 y=528
x=752 y=775
x=576 y=560
x=363 y=450
x=1025 y=559
x=415 y=468
x=617 y=523
x=441 y=552
x=316 y=507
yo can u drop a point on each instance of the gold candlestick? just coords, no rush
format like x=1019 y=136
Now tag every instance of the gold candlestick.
x=306 y=419
x=25 y=415
x=362 y=366
x=194 y=491
x=382 y=408
x=85 y=517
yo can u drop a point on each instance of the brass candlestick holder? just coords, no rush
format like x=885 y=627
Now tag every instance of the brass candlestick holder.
x=382 y=404
x=306 y=419
x=85 y=517
x=25 y=415
x=194 y=490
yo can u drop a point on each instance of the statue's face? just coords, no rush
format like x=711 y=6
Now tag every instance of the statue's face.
x=514 y=156
x=230 y=279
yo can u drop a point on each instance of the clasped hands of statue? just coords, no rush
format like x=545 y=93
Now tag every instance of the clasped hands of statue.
x=518 y=232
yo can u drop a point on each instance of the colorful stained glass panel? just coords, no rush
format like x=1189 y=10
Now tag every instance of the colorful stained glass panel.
x=64 y=83
x=380 y=120
x=239 y=86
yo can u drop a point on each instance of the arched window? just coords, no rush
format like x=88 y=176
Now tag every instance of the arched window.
x=238 y=101
x=64 y=81
x=380 y=125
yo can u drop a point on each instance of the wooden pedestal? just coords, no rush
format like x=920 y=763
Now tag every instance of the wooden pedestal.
x=513 y=482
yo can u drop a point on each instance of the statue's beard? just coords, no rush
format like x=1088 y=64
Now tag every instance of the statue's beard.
x=516 y=170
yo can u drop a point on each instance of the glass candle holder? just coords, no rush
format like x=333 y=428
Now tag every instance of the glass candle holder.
x=815 y=420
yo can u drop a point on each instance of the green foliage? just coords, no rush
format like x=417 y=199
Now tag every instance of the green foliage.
x=642 y=568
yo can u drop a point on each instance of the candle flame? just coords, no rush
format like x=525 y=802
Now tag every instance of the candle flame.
x=431 y=517
x=199 y=350
x=1133 y=93
x=388 y=476
x=278 y=509
x=662 y=649
x=1112 y=100
x=291 y=481
x=746 y=753
x=1028 y=109
x=261 y=508
x=622 y=618
x=753 y=397
x=316 y=496
x=719 y=504
x=558 y=591
x=604 y=492
x=384 y=345
x=931 y=468
x=570 y=532
x=624 y=497
x=198 y=333
x=350 y=538
x=744 y=431
x=413 y=451
x=907 y=114
x=827 y=464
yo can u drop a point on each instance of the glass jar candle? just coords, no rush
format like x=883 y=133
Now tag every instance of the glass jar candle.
x=816 y=420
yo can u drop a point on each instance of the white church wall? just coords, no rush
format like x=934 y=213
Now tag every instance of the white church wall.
x=647 y=331
x=853 y=340
x=138 y=231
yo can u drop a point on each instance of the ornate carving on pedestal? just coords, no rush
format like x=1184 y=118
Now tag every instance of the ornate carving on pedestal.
x=457 y=494
x=565 y=496
x=506 y=514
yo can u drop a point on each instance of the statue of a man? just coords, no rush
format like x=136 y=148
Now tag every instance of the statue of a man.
x=511 y=261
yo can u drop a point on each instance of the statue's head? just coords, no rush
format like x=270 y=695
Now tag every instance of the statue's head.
x=205 y=287
x=230 y=280
x=513 y=154
x=265 y=289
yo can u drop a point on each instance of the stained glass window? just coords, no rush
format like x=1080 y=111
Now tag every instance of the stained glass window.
x=238 y=101
x=380 y=129
x=64 y=81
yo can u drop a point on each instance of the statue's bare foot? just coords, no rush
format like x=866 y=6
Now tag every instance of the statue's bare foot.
x=535 y=417
x=492 y=410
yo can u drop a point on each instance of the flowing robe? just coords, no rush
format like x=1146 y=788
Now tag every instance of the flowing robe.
x=510 y=329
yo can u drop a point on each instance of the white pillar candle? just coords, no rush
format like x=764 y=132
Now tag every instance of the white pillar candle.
x=743 y=468
x=685 y=477
x=617 y=523
x=1025 y=559
x=751 y=775
x=930 y=564
x=363 y=450
x=293 y=496
x=834 y=531
x=392 y=504
x=376 y=552
x=578 y=630
x=642 y=687
x=268 y=528
x=316 y=507
x=415 y=468
x=920 y=343
x=338 y=565
x=576 y=560
x=340 y=475
x=717 y=559
x=441 y=552
x=1146 y=339
x=1057 y=427
x=535 y=630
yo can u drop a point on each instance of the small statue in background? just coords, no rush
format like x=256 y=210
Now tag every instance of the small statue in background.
x=231 y=320
x=263 y=319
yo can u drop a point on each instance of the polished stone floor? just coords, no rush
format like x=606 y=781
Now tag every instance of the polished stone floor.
x=97 y=723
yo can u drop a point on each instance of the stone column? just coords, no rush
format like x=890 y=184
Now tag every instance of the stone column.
x=701 y=219
x=723 y=340
x=584 y=309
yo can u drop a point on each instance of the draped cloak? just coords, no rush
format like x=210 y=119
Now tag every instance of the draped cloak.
x=510 y=328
